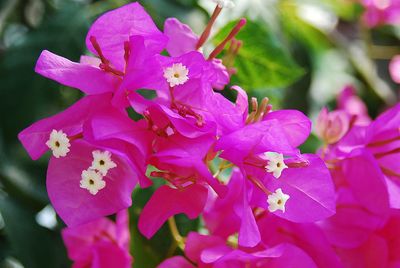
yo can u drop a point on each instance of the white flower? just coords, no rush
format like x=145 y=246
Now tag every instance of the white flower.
x=59 y=143
x=170 y=131
x=102 y=162
x=224 y=3
x=277 y=200
x=92 y=181
x=177 y=74
x=275 y=163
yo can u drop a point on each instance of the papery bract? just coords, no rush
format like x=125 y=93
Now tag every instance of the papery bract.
x=126 y=21
x=166 y=202
x=76 y=205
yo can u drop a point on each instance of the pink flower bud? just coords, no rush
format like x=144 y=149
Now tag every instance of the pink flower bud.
x=394 y=69
x=332 y=126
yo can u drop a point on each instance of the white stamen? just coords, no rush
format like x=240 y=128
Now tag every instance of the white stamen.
x=277 y=200
x=92 y=181
x=59 y=143
x=177 y=74
x=102 y=162
x=275 y=163
x=224 y=3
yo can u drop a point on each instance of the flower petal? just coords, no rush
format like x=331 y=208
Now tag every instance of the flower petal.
x=166 y=202
x=87 y=78
x=76 y=205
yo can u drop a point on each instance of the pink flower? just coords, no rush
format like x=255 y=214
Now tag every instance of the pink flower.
x=100 y=243
x=379 y=12
x=348 y=101
x=88 y=168
x=394 y=69
x=332 y=126
x=112 y=46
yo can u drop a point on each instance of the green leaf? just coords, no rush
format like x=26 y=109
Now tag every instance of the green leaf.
x=262 y=62
x=33 y=245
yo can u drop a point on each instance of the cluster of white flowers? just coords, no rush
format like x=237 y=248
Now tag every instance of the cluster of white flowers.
x=92 y=178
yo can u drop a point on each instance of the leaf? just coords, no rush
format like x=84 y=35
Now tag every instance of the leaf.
x=33 y=245
x=262 y=62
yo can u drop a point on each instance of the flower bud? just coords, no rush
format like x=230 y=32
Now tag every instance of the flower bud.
x=332 y=126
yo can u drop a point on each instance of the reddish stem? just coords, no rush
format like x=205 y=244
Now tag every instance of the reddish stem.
x=206 y=33
x=231 y=35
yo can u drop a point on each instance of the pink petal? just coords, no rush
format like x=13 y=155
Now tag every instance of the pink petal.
x=295 y=124
x=166 y=202
x=107 y=254
x=394 y=69
x=196 y=243
x=181 y=37
x=70 y=121
x=76 y=205
x=89 y=79
x=309 y=186
x=353 y=223
x=126 y=21
x=364 y=174
x=176 y=262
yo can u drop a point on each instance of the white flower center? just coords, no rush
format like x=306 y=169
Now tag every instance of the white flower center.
x=102 y=162
x=177 y=74
x=92 y=181
x=275 y=164
x=58 y=143
x=277 y=200
x=224 y=3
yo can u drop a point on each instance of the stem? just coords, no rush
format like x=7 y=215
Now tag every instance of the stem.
x=180 y=241
x=206 y=33
x=232 y=34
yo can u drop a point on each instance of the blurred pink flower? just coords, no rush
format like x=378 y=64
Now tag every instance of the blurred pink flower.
x=394 y=69
x=100 y=243
x=379 y=12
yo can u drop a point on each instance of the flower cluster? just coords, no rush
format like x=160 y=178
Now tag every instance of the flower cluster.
x=262 y=201
x=364 y=163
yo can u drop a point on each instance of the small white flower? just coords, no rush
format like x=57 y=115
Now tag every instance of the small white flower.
x=102 y=162
x=177 y=74
x=275 y=163
x=92 y=181
x=224 y=3
x=277 y=200
x=170 y=131
x=59 y=143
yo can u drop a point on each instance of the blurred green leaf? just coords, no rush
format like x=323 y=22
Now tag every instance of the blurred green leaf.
x=311 y=145
x=263 y=61
x=33 y=245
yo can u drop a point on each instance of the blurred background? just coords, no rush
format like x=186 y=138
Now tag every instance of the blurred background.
x=300 y=54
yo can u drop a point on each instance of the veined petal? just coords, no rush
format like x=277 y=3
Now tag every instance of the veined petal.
x=87 y=78
x=126 y=21
x=181 y=37
x=76 y=205
x=295 y=124
x=69 y=121
x=166 y=202
x=310 y=186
